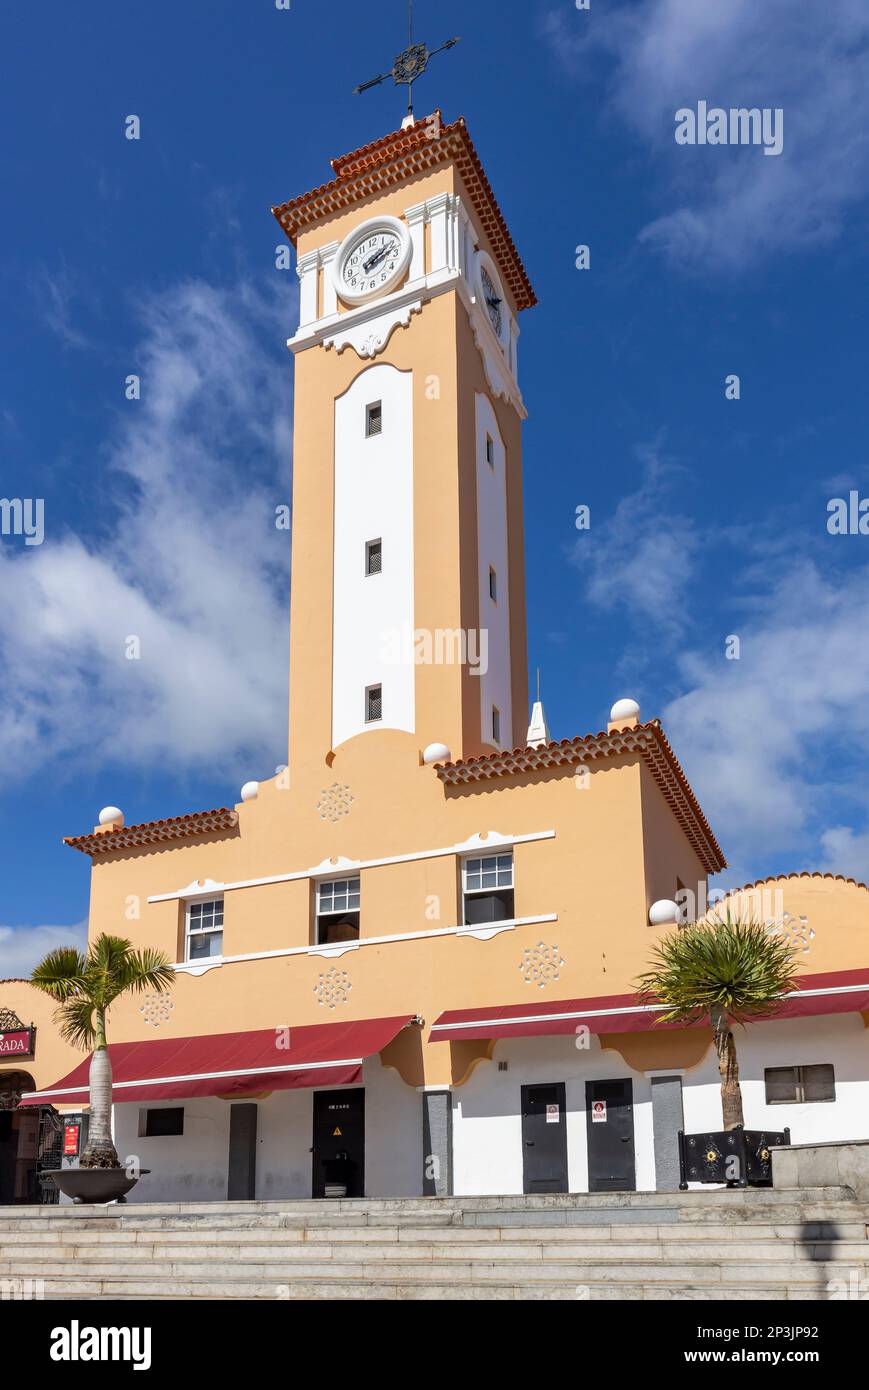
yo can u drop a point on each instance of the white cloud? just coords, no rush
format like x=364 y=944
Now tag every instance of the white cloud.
x=776 y=743
x=182 y=553
x=733 y=204
x=21 y=948
x=641 y=557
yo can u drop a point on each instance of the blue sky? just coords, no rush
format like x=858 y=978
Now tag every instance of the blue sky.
x=708 y=516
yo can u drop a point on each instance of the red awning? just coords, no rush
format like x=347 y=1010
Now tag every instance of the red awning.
x=837 y=992
x=232 y=1064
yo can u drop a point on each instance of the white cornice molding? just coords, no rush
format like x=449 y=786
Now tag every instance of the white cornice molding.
x=483 y=932
x=369 y=336
x=492 y=840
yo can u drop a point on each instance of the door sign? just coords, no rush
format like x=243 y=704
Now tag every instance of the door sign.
x=552 y=1114
x=598 y=1112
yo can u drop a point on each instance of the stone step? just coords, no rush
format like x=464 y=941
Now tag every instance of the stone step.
x=403 y=1287
x=41 y=1261
x=707 y=1199
x=642 y=1267
x=155 y=1241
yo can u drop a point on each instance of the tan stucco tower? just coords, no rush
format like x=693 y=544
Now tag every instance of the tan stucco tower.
x=408 y=606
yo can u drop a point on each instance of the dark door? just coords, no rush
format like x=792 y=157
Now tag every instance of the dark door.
x=544 y=1139
x=339 y=1143
x=241 y=1179
x=610 y=1124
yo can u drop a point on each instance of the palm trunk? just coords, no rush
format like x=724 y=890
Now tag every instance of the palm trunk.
x=100 y=1152
x=728 y=1067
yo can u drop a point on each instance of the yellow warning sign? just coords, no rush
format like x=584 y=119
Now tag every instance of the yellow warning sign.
x=335 y=1131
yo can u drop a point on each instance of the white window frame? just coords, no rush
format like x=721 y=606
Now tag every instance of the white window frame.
x=502 y=874
x=208 y=931
x=346 y=905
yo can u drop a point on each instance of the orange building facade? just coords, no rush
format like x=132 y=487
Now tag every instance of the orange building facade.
x=406 y=962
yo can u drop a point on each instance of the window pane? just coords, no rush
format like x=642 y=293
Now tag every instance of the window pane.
x=781 y=1085
x=819 y=1082
x=205 y=944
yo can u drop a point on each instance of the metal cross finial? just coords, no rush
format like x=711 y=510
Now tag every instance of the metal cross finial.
x=409 y=65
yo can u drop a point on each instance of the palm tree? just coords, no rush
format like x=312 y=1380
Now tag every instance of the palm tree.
x=727 y=970
x=84 y=987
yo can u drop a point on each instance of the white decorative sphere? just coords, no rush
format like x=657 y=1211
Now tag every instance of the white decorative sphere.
x=665 y=913
x=250 y=791
x=624 y=709
x=111 y=815
x=436 y=753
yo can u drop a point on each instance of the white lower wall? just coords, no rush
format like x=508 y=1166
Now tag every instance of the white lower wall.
x=487 y=1113
x=193 y=1166
x=841 y=1040
x=487 y=1118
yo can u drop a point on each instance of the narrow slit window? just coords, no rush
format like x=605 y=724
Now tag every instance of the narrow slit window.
x=373 y=557
x=493 y=585
x=496 y=724
x=373 y=704
x=490 y=451
x=373 y=419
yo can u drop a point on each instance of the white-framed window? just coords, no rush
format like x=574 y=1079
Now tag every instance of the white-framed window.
x=373 y=704
x=337 y=909
x=496 y=725
x=800 y=1085
x=373 y=418
x=487 y=888
x=373 y=557
x=204 y=933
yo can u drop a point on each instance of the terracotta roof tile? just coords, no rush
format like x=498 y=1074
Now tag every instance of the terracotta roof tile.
x=797 y=873
x=649 y=740
x=397 y=156
x=154 y=831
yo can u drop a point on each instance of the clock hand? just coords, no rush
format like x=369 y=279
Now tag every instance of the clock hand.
x=376 y=258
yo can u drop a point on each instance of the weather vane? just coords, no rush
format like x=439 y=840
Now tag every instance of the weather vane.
x=409 y=65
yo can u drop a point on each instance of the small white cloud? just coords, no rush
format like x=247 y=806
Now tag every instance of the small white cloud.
x=22 y=948
x=641 y=557
x=776 y=743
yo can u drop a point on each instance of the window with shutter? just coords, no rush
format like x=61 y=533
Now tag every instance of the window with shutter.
x=373 y=704
x=373 y=419
x=373 y=557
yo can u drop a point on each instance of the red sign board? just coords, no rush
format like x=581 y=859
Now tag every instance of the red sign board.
x=16 y=1044
x=70 y=1138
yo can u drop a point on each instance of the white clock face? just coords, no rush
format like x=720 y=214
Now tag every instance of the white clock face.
x=494 y=302
x=372 y=259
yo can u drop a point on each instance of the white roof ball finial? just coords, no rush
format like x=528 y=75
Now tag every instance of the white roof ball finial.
x=250 y=791
x=624 y=709
x=436 y=753
x=665 y=913
x=112 y=815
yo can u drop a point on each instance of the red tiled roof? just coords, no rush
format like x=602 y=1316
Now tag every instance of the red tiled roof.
x=649 y=740
x=154 y=831
x=400 y=155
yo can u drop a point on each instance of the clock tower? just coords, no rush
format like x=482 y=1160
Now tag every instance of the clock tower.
x=408 y=597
